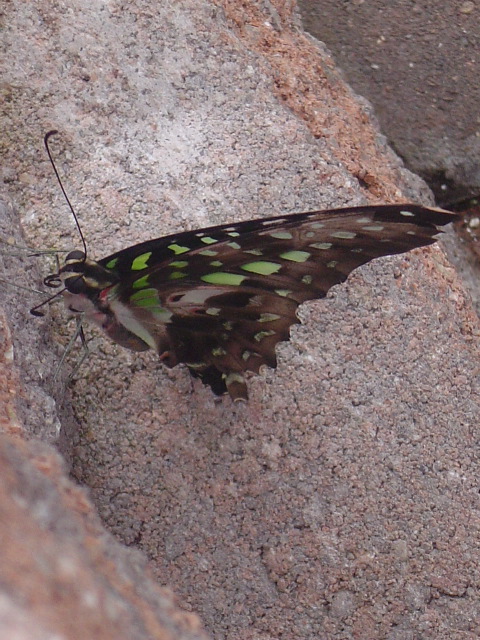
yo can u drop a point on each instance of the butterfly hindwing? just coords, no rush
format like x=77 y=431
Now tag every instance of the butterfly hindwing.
x=219 y=299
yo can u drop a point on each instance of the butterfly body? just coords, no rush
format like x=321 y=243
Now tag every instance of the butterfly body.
x=219 y=299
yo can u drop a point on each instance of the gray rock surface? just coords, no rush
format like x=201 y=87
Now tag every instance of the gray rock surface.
x=418 y=63
x=342 y=501
x=61 y=574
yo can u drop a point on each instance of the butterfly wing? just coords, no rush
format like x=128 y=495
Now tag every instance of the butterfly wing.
x=220 y=299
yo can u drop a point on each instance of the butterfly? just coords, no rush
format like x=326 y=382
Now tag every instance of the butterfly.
x=219 y=299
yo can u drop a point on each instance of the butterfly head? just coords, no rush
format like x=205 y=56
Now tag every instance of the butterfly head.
x=82 y=278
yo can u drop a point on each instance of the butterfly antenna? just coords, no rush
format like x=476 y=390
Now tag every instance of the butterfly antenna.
x=47 y=147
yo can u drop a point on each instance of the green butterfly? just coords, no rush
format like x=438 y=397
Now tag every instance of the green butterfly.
x=219 y=299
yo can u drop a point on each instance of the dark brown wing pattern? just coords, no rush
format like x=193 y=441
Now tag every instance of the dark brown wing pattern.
x=221 y=298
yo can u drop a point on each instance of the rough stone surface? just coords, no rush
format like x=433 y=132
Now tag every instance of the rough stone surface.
x=342 y=501
x=61 y=574
x=418 y=63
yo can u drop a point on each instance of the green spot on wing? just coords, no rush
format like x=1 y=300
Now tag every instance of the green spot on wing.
x=141 y=283
x=262 y=267
x=208 y=252
x=268 y=317
x=179 y=264
x=208 y=240
x=345 y=235
x=324 y=246
x=145 y=298
x=283 y=292
x=234 y=245
x=161 y=314
x=258 y=337
x=295 y=256
x=111 y=264
x=178 y=249
x=140 y=262
x=280 y=235
x=222 y=278
x=176 y=275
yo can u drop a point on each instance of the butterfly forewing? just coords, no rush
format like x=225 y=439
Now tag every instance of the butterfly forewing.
x=219 y=299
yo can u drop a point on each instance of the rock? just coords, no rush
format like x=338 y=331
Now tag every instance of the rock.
x=176 y=116
x=417 y=63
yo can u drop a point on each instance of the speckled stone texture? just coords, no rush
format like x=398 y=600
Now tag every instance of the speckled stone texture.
x=61 y=574
x=342 y=501
x=418 y=62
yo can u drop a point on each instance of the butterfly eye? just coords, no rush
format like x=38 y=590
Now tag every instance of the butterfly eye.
x=75 y=256
x=76 y=284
